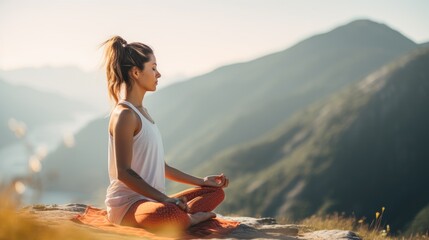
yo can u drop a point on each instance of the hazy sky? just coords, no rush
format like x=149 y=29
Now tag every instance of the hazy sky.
x=189 y=37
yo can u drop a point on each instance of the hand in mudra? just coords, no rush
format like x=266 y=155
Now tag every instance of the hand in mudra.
x=181 y=202
x=216 y=181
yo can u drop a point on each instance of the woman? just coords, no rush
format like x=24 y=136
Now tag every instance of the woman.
x=137 y=170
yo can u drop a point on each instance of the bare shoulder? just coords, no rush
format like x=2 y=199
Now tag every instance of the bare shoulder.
x=122 y=119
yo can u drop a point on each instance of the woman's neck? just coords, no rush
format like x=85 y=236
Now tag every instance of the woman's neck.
x=135 y=97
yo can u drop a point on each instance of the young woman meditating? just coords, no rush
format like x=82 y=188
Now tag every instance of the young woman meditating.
x=136 y=195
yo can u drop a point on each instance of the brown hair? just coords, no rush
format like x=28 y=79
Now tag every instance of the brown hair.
x=119 y=58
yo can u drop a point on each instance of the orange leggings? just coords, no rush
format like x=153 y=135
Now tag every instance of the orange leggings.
x=156 y=215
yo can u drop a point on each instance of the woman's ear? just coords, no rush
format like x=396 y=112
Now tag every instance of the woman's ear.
x=135 y=72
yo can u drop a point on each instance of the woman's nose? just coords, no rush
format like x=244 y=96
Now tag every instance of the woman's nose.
x=159 y=75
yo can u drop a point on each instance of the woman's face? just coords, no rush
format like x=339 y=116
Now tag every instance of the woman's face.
x=148 y=78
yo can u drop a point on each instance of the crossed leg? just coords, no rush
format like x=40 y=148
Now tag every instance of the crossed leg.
x=202 y=199
x=157 y=216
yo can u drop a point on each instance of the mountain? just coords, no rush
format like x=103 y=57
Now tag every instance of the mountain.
x=68 y=169
x=239 y=102
x=68 y=81
x=32 y=107
x=361 y=149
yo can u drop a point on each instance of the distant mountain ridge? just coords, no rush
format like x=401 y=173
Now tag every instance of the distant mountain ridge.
x=424 y=45
x=32 y=107
x=69 y=81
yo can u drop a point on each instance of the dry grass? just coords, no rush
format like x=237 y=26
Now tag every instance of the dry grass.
x=16 y=226
x=374 y=231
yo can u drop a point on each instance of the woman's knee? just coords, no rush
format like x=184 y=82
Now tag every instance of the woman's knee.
x=218 y=190
x=219 y=193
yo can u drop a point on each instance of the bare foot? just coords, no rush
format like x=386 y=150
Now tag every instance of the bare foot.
x=201 y=217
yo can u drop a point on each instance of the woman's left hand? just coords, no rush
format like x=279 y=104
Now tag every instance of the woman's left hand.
x=216 y=181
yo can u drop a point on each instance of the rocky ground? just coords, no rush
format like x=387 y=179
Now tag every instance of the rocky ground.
x=250 y=228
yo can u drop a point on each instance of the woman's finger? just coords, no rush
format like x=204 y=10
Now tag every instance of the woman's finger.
x=185 y=203
x=183 y=206
x=216 y=183
x=221 y=179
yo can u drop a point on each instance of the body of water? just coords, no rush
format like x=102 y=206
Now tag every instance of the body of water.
x=14 y=157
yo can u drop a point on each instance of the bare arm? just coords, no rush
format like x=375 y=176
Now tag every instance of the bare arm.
x=179 y=176
x=210 y=181
x=123 y=127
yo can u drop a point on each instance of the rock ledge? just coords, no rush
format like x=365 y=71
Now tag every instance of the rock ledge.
x=250 y=228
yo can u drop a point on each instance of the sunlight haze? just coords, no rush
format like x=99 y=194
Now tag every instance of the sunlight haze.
x=189 y=37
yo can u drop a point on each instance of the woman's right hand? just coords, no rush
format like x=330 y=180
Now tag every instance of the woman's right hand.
x=181 y=202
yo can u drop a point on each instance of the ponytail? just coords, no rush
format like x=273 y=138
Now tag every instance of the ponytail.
x=119 y=58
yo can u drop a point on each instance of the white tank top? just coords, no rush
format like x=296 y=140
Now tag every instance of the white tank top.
x=147 y=161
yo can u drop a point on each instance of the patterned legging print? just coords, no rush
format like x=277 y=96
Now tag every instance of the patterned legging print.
x=157 y=215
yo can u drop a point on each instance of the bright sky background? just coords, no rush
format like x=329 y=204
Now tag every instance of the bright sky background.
x=190 y=37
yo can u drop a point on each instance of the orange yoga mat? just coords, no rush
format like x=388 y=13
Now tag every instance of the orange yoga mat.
x=213 y=228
